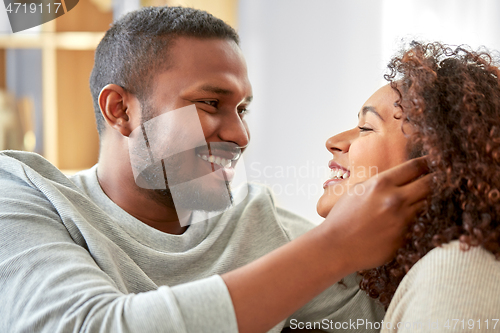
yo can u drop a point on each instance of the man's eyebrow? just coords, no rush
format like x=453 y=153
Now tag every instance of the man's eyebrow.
x=367 y=109
x=214 y=89
x=220 y=91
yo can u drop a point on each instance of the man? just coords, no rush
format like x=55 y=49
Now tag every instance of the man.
x=106 y=251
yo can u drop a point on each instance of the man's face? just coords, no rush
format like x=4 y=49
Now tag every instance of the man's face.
x=208 y=76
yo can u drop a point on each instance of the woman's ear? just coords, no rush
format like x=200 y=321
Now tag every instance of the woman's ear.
x=118 y=108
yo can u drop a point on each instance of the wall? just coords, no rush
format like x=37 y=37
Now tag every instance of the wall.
x=312 y=65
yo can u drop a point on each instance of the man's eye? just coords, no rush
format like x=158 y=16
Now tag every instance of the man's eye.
x=243 y=111
x=215 y=104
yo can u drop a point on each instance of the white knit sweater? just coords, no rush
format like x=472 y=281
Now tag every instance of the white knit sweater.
x=449 y=290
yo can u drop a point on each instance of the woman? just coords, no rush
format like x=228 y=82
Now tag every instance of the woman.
x=445 y=103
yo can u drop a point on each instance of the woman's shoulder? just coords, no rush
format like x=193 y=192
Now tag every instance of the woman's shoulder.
x=452 y=269
x=452 y=265
x=451 y=255
x=455 y=262
x=449 y=283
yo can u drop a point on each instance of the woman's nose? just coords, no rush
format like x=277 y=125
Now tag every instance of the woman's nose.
x=342 y=141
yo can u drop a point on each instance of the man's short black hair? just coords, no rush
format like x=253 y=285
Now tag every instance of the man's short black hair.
x=135 y=48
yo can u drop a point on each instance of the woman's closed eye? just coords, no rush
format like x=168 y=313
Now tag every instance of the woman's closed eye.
x=364 y=129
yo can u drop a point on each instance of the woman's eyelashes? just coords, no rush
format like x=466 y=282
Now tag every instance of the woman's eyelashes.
x=364 y=129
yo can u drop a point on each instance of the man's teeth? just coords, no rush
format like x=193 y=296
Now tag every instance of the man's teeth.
x=216 y=160
x=339 y=174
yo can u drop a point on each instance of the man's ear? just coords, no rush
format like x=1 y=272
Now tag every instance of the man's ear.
x=118 y=107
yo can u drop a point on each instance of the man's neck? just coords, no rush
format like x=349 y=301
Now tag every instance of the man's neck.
x=117 y=181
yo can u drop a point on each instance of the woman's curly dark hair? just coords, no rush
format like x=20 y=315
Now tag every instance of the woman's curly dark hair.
x=451 y=97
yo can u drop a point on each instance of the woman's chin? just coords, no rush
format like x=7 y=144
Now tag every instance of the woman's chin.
x=325 y=205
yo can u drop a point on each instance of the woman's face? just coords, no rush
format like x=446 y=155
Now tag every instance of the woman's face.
x=377 y=144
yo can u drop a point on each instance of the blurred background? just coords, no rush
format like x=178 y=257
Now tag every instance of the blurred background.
x=312 y=65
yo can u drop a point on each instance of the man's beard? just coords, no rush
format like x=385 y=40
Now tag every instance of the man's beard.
x=168 y=180
x=185 y=193
x=193 y=199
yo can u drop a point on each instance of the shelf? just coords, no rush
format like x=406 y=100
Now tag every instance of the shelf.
x=78 y=40
x=67 y=44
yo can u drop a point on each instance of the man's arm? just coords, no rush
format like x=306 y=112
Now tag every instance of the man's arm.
x=361 y=231
x=52 y=283
x=340 y=305
x=59 y=273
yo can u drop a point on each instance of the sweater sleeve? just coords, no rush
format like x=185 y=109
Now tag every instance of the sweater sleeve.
x=50 y=282
x=341 y=307
x=449 y=290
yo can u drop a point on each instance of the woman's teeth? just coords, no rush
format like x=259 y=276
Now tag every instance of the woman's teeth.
x=339 y=174
x=216 y=160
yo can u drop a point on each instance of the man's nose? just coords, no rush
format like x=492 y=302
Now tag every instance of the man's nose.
x=234 y=129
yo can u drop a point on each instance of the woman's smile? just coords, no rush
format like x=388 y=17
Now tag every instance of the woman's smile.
x=337 y=174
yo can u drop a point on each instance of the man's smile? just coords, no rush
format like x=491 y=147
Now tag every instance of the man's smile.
x=221 y=161
x=220 y=155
